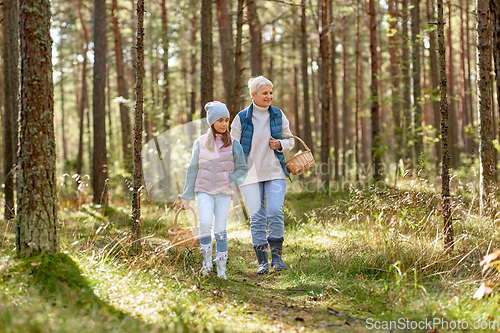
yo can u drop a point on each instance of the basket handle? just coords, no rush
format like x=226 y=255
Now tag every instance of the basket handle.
x=178 y=212
x=296 y=137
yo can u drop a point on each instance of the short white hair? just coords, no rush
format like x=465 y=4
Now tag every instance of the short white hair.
x=255 y=83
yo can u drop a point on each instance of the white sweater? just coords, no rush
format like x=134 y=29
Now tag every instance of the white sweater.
x=262 y=162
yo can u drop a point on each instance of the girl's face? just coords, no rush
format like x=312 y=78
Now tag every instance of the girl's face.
x=221 y=125
x=264 y=96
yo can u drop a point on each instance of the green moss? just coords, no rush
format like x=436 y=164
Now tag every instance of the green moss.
x=58 y=277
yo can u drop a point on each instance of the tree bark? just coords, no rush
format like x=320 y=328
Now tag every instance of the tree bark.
x=464 y=103
x=227 y=55
x=487 y=169
x=495 y=21
x=166 y=81
x=63 y=120
x=11 y=100
x=255 y=38
x=376 y=149
x=272 y=48
x=452 y=113
x=238 y=59
x=83 y=104
x=122 y=92
x=405 y=58
x=333 y=82
x=100 y=173
x=434 y=76
x=305 y=77
x=194 y=27
x=395 y=79
x=417 y=91
x=324 y=87
x=138 y=128
x=445 y=172
x=346 y=105
x=358 y=83
x=472 y=114
x=37 y=198
x=207 y=62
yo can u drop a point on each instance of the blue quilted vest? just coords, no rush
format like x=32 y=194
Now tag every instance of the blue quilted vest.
x=247 y=131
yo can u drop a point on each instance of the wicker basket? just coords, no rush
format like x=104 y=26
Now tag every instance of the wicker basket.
x=189 y=237
x=300 y=162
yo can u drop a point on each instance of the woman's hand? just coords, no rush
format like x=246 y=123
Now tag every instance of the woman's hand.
x=274 y=144
x=185 y=203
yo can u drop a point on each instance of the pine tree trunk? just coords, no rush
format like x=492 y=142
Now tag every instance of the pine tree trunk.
x=395 y=80
x=83 y=104
x=376 y=149
x=346 y=105
x=487 y=169
x=166 y=82
x=100 y=173
x=314 y=95
x=11 y=102
x=324 y=87
x=366 y=146
x=194 y=27
x=445 y=173
x=37 y=199
x=417 y=91
x=495 y=21
x=358 y=83
x=152 y=104
x=452 y=112
x=305 y=77
x=255 y=38
x=207 y=62
x=238 y=60
x=138 y=128
x=405 y=58
x=272 y=48
x=122 y=92
x=108 y=113
x=63 y=120
x=472 y=114
x=434 y=76
x=333 y=82
x=227 y=55
x=132 y=74
x=464 y=104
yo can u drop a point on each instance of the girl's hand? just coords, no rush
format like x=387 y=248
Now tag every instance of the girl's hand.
x=185 y=203
x=274 y=144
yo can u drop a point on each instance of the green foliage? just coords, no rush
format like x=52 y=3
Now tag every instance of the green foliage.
x=369 y=253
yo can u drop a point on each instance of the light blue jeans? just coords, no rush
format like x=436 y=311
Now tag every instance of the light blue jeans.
x=214 y=209
x=264 y=201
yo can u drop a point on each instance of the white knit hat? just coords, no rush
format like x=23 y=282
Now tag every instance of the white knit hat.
x=215 y=111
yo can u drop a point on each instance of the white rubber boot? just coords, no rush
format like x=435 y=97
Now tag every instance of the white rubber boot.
x=206 y=251
x=221 y=260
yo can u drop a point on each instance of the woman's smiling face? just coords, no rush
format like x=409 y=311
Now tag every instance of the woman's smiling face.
x=264 y=96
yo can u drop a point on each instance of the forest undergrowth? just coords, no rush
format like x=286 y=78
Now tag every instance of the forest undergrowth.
x=372 y=255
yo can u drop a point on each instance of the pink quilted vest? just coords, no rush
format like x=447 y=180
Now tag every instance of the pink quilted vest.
x=214 y=168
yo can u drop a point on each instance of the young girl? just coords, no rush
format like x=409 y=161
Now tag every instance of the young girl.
x=217 y=167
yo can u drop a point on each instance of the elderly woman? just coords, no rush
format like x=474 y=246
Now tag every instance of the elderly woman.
x=262 y=130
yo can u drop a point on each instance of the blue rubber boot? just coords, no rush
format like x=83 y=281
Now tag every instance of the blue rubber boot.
x=262 y=258
x=276 y=245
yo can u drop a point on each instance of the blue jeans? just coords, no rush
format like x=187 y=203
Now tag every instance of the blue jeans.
x=264 y=201
x=214 y=208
